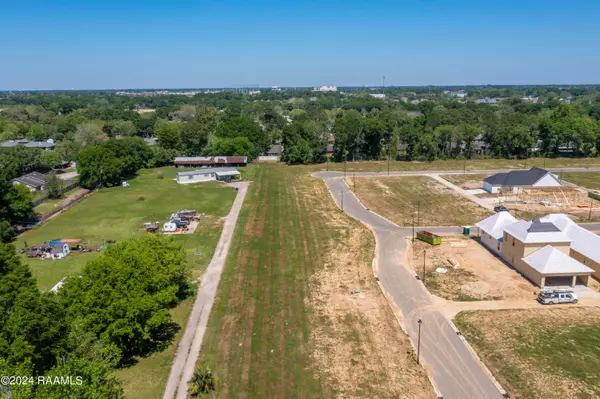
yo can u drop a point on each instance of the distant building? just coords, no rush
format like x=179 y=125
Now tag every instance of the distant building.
x=515 y=180
x=325 y=88
x=194 y=162
x=144 y=110
x=44 y=145
x=203 y=175
x=272 y=154
x=151 y=140
x=379 y=95
x=530 y=99
x=35 y=181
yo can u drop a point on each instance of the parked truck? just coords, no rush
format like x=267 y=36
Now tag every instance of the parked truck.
x=553 y=296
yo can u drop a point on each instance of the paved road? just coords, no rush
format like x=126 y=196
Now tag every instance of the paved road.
x=444 y=172
x=454 y=369
x=189 y=346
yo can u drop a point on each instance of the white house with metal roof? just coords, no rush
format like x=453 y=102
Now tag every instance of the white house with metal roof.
x=585 y=246
x=552 y=250
x=492 y=230
x=208 y=174
x=514 y=180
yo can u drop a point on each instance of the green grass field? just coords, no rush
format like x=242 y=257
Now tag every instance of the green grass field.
x=49 y=204
x=589 y=180
x=262 y=340
x=541 y=353
x=454 y=164
x=117 y=213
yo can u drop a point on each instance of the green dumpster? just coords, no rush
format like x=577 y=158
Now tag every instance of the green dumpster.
x=467 y=230
x=429 y=238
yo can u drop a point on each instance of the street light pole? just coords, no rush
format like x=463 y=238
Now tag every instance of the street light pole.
x=344 y=169
x=418 y=212
x=424 y=251
x=419 y=342
x=591 y=205
x=413 y=223
x=354 y=182
x=342 y=192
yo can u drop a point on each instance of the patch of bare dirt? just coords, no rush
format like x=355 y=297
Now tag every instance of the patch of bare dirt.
x=479 y=276
x=358 y=346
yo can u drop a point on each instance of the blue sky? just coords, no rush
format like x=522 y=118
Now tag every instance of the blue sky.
x=150 y=44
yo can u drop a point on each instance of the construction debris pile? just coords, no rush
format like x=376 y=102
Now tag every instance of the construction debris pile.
x=60 y=248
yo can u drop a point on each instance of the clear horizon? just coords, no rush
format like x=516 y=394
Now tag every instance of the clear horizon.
x=109 y=45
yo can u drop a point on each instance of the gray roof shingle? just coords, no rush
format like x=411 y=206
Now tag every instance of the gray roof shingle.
x=517 y=177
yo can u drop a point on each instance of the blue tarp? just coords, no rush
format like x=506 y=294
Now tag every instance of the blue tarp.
x=57 y=241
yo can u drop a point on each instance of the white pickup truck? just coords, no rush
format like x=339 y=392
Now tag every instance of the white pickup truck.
x=554 y=296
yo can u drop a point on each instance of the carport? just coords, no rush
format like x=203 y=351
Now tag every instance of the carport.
x=549 y=266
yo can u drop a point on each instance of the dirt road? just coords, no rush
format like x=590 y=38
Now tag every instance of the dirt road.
x=189 y=346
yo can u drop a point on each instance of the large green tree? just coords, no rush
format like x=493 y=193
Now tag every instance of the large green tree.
x=168 y=134
x=98 y=165
x=123 y=297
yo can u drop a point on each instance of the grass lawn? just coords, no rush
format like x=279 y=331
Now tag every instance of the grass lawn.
x=49 y=204
x=117 y=213
x=399 y=198
x=466 y=181
x=589 y=180
x=454 y=164
x=283 y=324
x=541 y=353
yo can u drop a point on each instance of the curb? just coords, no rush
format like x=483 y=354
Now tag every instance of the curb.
x=476 y=357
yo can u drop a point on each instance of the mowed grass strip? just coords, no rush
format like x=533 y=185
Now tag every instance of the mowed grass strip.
x=401 y=198
x=589 y=180
x=541 y=353
x=269 y=335
x=457 y=164
x=257 y=336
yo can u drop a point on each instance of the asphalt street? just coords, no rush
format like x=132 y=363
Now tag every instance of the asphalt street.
x=454 y=369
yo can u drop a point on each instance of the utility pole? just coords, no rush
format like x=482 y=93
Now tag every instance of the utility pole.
x=591 y=205
x=327 y=162
x=419 y=342
x=389 y=156
x=355 y=182
x=100 y=176
x=342 y=200
x=418 y=212
x=526 y=155
x=423 y=278
x=413 y=223
x=344 y=169
x=465 y=166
